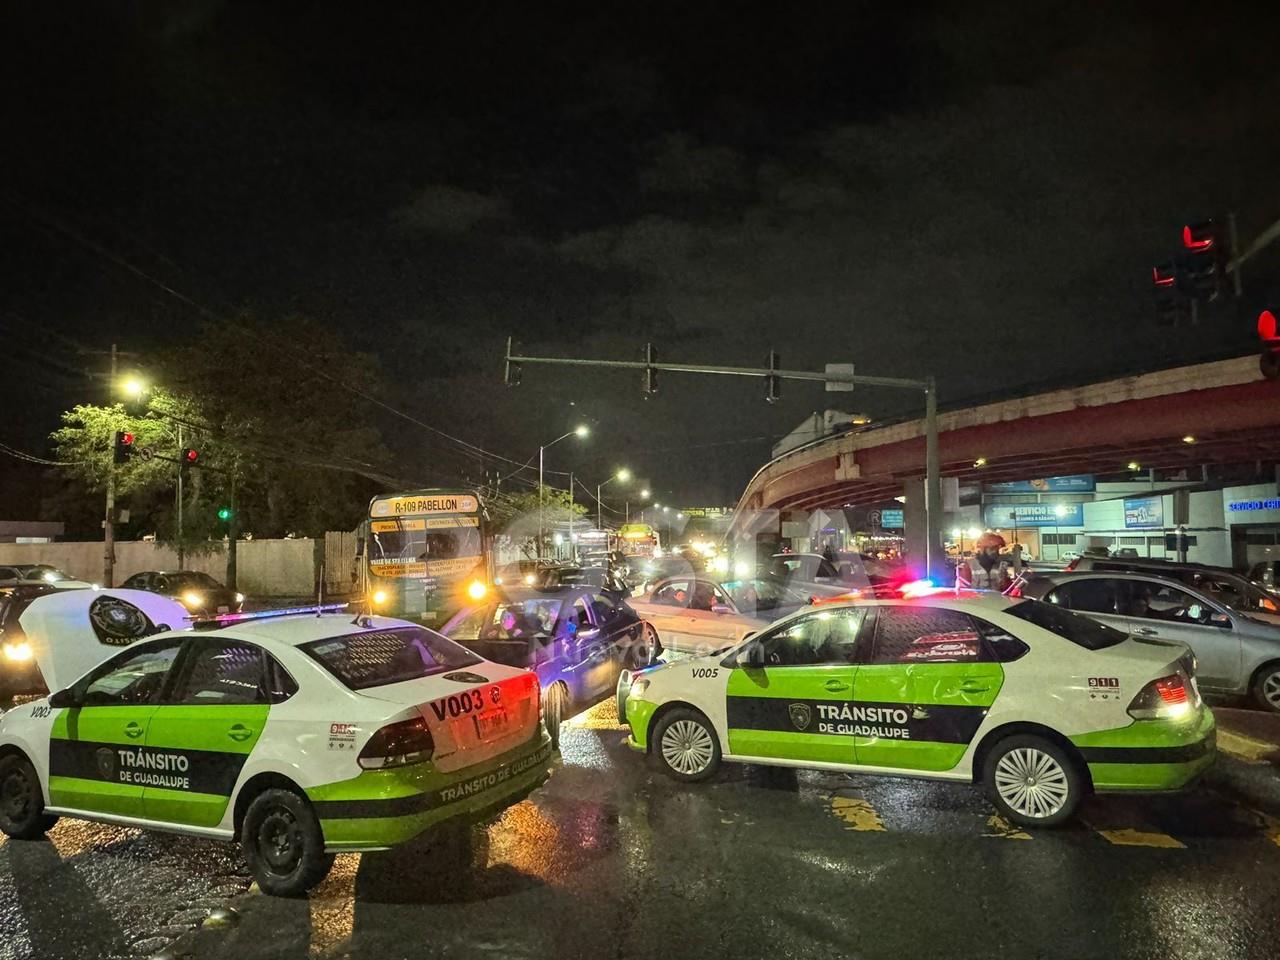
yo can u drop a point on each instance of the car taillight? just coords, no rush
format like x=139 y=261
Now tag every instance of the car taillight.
x=1165 y=698
x=398 y=745
x=1073 y=564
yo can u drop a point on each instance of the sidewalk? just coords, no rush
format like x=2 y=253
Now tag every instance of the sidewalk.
x=1251 y=736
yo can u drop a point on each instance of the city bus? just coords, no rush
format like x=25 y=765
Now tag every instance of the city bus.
x=426 y=553
x=639 y=540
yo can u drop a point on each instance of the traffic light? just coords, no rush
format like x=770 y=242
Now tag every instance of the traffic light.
x=1206 y=253
x=650 y=374
x=188 y=457
x=773 y=382
x=224 y=514
x=124 y=446
x=1269 y=361
x=511 y=371
x=1171 y=304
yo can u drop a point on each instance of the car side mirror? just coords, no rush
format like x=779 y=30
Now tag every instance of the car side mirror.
x=720 y=608
x=65 y=698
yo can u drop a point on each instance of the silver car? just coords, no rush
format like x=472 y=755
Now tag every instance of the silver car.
x=1239 y=653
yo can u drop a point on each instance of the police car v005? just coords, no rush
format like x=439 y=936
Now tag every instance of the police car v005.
x=1038 y=704
x=300 y=735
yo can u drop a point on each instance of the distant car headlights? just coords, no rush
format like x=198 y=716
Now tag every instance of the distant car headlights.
x=239 y=598
x=17 y=652
x=193 y=599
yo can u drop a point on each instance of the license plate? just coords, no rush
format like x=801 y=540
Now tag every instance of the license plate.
x=490 y=725
x=224 y=609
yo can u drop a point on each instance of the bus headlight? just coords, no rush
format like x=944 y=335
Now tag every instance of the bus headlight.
x=379 y=597
x=477 y=589
x=17 y=651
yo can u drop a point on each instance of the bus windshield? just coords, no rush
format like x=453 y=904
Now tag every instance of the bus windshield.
x=407 y=540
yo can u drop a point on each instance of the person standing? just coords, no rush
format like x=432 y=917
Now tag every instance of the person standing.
x=986 y=569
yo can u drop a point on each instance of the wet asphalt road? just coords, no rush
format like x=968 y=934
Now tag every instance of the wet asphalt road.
x=612 y=859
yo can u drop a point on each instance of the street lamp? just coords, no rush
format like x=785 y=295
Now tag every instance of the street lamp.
x=624 y=475
x=1059 y=511
x=581 y=432
x=133 y=387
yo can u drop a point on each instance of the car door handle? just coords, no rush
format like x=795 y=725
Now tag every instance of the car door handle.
x=835 y=686
x=1146 y=632
x=132 y=730
x=239 y=732
x=975 y=686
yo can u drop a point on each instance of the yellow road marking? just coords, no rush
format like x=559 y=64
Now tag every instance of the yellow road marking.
x=1004 y=829
x=1141 y=838
x=1244 y=748
x=857 y=813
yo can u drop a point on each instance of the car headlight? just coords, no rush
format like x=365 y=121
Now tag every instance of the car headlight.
x=638 y=686
x=477 y=589
x=17 y=651
x=379 y=597
x=192 y=599
x=239 y=598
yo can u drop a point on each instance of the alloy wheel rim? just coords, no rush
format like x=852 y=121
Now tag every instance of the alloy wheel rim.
x=1032 y=783
x=1271 y=689
x=687 y=747
x=280 y=841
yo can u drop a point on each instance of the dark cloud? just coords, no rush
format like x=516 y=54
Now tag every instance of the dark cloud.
x=441 y=208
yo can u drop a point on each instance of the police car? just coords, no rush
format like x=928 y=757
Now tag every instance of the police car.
x=1038 y=704
x=301 y=735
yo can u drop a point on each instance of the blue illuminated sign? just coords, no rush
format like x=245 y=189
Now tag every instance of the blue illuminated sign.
x=891 y=519
x=1240 y=505
x=1144 y=513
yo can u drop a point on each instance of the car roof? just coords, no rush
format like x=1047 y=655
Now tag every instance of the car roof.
x=943 y=598
x=299 y=628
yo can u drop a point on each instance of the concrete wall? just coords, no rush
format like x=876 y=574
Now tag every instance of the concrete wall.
x=264 y=568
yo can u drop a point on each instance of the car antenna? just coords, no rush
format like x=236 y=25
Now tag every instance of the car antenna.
x=320 y=591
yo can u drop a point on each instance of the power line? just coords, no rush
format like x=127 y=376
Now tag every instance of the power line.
x=32 y=458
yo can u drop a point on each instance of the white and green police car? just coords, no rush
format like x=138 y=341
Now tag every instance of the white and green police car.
x=301 y=735
x=1038 y=704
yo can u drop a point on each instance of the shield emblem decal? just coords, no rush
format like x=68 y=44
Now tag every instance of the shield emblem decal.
x=800 y=715
x=106 y=758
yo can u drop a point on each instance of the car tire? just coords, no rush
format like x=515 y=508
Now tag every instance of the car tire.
x=686 y=745
x=1032 y=781
x=1265 y=689
x=649 y=649
x=553 y=710
x=22 y=813
x=282 y=840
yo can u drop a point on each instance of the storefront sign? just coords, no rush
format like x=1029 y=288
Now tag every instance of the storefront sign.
x=1083 y=483
x=891 y=519
x=1144 y=513
x=1007 y=515
x=1240 y=506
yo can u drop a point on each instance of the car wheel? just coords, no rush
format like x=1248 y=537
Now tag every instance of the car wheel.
x=1032 y=781
x=1266 y=688
x=22 y=813
x=648 y=649
x=553 y=710
x=686 y=745
x=282 y=841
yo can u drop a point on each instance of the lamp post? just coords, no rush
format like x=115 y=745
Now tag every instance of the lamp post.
x=581 y=431
x=624 y=475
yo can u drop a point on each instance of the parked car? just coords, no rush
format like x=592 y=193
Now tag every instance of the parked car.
x=1220 y=583
x=198 y=592
x=12 y=574
x=1238 y=653
x=577 y=639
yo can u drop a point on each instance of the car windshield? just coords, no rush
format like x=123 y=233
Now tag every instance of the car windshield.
x=518 y=619
x=1075 y=627
x=1235 y=592
x=191 y=578
x=380 y=657
x=42 y=571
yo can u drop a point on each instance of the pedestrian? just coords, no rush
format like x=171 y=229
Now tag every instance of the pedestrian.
x=986 y=569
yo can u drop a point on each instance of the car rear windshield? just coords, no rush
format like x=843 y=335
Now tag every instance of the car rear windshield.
x=380 y=657
x=1075 y=627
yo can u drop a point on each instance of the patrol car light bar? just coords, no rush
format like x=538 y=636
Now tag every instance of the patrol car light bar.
x=226 y=619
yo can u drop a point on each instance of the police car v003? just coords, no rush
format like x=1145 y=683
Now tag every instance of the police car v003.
x=300 y=735
x=1038 y=704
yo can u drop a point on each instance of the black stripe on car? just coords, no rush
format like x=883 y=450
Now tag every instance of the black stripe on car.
x=936 y=723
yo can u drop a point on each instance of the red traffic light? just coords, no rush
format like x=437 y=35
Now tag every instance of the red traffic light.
x=1199 y=237
x=1164 y=275
x=190 y=456
x=126 y=438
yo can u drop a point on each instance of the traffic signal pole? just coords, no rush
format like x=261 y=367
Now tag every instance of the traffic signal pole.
x=933 y=480
x=109 y=522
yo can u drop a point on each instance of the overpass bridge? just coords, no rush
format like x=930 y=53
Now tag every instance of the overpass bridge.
x=1210 y=413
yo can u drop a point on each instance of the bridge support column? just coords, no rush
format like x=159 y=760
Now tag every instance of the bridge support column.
x=922 y=528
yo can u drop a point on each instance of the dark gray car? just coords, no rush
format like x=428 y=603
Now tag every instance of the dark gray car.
x=1238 y=652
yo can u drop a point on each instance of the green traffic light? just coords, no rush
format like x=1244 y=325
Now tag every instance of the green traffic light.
x=224 y=513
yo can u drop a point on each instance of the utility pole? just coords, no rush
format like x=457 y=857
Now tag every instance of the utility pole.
x=109 y=522
x=233 y=532
x=573 y=547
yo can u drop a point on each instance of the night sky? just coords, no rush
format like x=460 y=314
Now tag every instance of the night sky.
x=972 y=190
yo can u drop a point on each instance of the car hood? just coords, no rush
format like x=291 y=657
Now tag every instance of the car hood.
x=72 y=631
